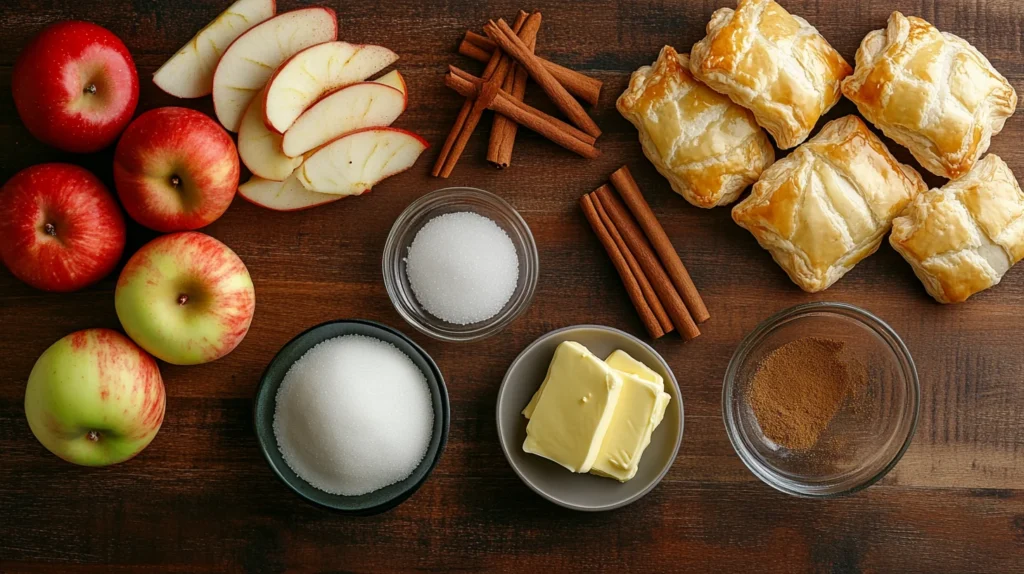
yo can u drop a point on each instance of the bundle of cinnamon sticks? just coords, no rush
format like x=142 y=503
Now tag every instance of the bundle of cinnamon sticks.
x=509 y=54
x=655 y=278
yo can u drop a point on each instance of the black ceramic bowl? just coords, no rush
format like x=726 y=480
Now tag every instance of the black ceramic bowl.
x=266 y=396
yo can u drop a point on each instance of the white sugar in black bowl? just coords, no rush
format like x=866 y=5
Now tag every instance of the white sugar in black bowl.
x=387 y=497
x=449 y=201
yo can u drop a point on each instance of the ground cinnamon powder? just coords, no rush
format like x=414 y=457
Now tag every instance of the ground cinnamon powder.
x=799 y=387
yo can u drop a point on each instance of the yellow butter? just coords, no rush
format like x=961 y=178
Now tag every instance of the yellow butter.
x=623 y=361
x=576 y=404
x=640 y=410
x=618 y=360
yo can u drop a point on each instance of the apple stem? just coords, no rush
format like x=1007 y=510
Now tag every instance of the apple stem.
x=50 y=229
x=93 y=436
x=90 y=89
x=175 y=180
x=182 y=299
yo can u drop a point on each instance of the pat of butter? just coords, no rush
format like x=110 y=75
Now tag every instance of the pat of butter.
x=623 y=361
x=577 y=401
x=640 y=410
x=618 y=360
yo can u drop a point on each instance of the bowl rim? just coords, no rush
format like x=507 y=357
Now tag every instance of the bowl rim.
x=678 y=439
x=403 y=495
x=486 y=328
x=867 y=319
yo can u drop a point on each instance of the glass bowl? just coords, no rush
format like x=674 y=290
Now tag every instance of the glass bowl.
x=449 y=200
x=864 y=441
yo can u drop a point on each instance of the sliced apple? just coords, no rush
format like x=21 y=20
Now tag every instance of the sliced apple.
x=354 y=107
x=287 y=195
x=260 y=148
x=315 y=71
x=355 y=162
x=251 y=59
x=189 y=72
x=394 y=79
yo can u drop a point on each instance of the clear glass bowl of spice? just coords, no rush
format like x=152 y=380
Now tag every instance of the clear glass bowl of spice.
x=460 y=264
x=821 y=400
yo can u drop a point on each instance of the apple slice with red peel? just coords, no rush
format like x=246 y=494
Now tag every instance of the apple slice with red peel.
x=315 y=71
x=354 y=107
x=394 y=79
x=355 y=162
x=287 y=195
x=189 y=72
x=251 y=59
x=260 y=148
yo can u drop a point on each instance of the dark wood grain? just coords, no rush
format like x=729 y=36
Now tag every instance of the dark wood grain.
x=201 y=499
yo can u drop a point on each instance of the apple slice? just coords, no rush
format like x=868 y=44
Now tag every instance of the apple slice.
x=189 y=72
x=354 y=107
x=260 y=148
x=355 y=162
x=394 y=79
x=251 y=59
x=287 y=195
x=315 y=71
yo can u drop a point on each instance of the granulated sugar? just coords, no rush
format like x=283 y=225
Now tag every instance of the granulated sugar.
x=462 y=267
x=353 y=415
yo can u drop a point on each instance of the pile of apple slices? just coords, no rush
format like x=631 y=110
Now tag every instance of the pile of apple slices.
x=312 y=128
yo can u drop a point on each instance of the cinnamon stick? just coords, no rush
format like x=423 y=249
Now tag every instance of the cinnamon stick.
x=529 y=117
x=458 y=137
x=645 y=286
x=629 y=280
x=634 y=199
x=503 y=130
x=649 y=262
x=479 y=48
x=509 y=42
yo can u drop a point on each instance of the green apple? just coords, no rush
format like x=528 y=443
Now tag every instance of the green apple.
x=186 y=298
x=95 y=398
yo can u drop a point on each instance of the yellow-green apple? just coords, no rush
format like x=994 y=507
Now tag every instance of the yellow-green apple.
x=95 y=398
x=175 y=169
x=353 y=107
x=287 y=195
x=189 y=72
x=315 y=71
x=260 y=148
x=60 y=229
x=355 y=162
x=248 y=62
x=75 y=86
x=186 y=298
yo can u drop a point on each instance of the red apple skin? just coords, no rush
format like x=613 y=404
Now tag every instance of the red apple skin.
x=175 y=169
x=60 y=229
x=75 y=86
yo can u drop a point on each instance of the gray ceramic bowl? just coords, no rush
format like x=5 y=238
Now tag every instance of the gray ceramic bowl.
x=584 y=491
x=266 y=395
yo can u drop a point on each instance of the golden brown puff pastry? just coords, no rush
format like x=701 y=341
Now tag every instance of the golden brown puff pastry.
x=773 y=63
x=708 y=148
x=931 y=92
x=827 y=205
x=962 y=238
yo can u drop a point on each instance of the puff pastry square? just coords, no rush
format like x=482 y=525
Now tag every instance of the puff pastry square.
x=827 y=206
x=708 y=148
x=773 y=63
x=963 y=237
x=931 y=92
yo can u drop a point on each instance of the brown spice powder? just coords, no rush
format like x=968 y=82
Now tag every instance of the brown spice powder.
x=799 y=387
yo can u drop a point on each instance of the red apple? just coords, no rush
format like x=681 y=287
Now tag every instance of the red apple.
x=75 y=86
x=60 y=229
x=175 y=169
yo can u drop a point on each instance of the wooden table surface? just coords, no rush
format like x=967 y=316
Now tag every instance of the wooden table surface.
x=202 y=499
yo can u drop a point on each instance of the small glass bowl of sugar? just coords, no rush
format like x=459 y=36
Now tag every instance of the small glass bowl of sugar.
x=460 y=264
